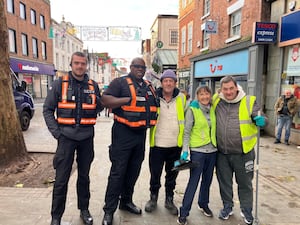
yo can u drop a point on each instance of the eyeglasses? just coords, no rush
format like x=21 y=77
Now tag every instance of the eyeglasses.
x=139 y=66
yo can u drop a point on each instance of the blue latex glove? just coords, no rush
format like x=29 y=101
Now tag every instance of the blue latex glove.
x=184 y=155
x=195 y=104
x=260 y=121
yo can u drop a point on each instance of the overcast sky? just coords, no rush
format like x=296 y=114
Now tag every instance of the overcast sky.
x=140 y=13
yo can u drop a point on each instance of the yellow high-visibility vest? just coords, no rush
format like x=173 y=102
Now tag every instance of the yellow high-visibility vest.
x=247 y=127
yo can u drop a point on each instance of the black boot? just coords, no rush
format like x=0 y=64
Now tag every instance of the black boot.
x=152 y=203
x=169 y=204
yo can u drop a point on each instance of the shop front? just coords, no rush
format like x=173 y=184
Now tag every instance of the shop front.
x=234 y=61
x=38 y=76
x=290 y=76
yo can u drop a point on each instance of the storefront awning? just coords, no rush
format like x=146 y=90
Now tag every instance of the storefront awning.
x=167 y=57
x=25 y=66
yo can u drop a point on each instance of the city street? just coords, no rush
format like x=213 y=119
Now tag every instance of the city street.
x=278 y=187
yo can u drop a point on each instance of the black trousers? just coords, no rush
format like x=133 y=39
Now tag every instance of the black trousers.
x=126 y=154
x=158 y=158
x=62 y=162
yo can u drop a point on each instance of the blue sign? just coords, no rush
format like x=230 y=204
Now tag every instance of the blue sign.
x=290 y=29
x=265 y=32
x=25 y=66
x=231 y=64
x=211 y=27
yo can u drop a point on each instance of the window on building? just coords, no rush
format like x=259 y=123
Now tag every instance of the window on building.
x=206 y=9
x=190 y=38
x=10 y=6
x=42 y=22
x=63 y=62
x=183 y=40
x=35 y=48
x=173 y=37
x=44 y=50
x=22 y=11
x=33 y=16
x=24 y=39
x=183 y=4
x=12 y=41
x=57 y=66
x=68 y=46
x=205 y=42
x=235 y=23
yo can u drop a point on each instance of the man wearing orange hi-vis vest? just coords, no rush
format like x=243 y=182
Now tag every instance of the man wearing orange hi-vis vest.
x=134 y=105
x=76 y=100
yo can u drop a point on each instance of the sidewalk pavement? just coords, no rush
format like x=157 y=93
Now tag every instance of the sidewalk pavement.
x=278 y=188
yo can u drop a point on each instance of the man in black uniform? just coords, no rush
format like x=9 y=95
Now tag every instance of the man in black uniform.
x=76 y=100
x=134 y=106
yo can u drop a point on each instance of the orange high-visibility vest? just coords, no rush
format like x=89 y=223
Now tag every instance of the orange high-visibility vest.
x=67 y=108
x=142 y=111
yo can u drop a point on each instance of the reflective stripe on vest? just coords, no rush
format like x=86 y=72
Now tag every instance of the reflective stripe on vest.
x=247 y=127
x=134 y=108
x=64 y=104
x=180 y=106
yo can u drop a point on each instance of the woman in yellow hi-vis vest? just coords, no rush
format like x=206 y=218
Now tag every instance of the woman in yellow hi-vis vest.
x=200 y=138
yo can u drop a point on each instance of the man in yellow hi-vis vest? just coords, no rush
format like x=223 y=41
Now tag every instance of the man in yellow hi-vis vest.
x=237 y=116
x=166 y=141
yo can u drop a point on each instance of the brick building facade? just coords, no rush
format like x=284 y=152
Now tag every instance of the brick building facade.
x=30 y=49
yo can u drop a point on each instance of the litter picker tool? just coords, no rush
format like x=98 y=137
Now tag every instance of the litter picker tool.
x=257 y=173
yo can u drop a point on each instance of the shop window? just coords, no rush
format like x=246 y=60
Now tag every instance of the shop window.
x=291 y=76
x=12 y=41
x=22 y=11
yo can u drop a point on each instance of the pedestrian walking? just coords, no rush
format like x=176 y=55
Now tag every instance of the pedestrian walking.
x=134 y=105
x=285 y=108
x=166 y=141
x=200 y=142
x=237 y=116
x=76 y=100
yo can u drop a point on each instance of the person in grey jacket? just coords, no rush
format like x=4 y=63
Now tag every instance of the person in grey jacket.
x=200 y=138
x=237 y=116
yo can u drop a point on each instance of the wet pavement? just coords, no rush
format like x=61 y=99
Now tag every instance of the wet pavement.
x=278 y=187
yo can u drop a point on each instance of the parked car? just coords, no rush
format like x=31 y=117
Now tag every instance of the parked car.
x=23 y=100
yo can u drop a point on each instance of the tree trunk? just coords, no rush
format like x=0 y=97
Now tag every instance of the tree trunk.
x=13 y=152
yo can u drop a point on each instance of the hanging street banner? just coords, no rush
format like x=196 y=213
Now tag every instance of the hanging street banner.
x=117 y=33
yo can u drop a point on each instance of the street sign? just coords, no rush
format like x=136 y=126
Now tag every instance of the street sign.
x=159 y=44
